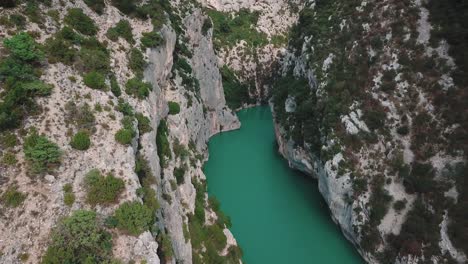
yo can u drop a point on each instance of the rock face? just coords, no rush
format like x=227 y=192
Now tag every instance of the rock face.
x=26 y=230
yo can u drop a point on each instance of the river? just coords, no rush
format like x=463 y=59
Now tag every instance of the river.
x=278 y=214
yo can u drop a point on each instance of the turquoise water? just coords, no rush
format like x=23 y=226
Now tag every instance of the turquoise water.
x=278 y=215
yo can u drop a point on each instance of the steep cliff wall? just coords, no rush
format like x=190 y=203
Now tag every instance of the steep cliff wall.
x=167 y=161
x=356 y=107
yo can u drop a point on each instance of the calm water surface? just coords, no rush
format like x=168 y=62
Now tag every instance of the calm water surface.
x=278 y=215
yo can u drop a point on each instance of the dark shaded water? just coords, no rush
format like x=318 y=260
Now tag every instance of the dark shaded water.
x=278 y=215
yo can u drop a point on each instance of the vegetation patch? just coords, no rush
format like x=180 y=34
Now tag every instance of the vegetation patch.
x=102 y=189
x=42 y=154
x=79 y=238
x=19 y=77
x=162 y=143
x=80 y=141
x=133 y=218
x=138 y=88
x=12 y=197
x=68 y=195
x=122 y=29
x=228 y=30
x=174 y=108
x=80 y=22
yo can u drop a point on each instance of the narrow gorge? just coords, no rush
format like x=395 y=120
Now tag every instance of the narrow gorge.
x=337 y=131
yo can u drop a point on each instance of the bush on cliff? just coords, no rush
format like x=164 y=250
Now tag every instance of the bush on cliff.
x=79 y=238
x=102 y=189
x=80 y=141
x=133 y=217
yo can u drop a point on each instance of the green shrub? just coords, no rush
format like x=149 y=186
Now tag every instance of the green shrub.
x=19 y=76
x=162 y=143
x=166 y=247
x=79 y=238
x=144 y=123
x=115 y=87
x=174 y=108
x=96 y=5
x=136 y=62
x=41 y=153
x=124 y=136
x=124 y=107
x=102 y=189
x=23 y=47
x=228 y=30
x=8 y=140
x=403 y=130
x=125 y=6
x=12 y=197
x=235 y=92
x=133 y=217
x=68 y=195
x=151 y=39
x=59 y=49
x=179 y=174
x=95 y=80
x=138 y=88
x=122 y=29
x=94 y=59
x=400 y=205
x=9 y=159
x=80 y=21
x=80 y=141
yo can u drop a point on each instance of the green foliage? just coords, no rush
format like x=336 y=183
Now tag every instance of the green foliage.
x=421 y=178
x=19 y=76
x=124 y=136
x=235 y=92
x=146 y=177
x=174 y=108
x=228 y=31
x=42 y=154
x=122 y=29
x=9 y=159
x=127 y=7
x=8 y=140
x=208 y=240
x=207 y=25
x=452 y=20
x=144 y=123
x=12 y=197
x=23 y=48
x=68 y=195
x=80 y=141
x=79 y=238
x=162 y=143
x=166 y=247
x=136 y=62
x=138 y=88
x=95 y=80
x=94 y=57
x=133 y=217
x=124 y=107
x=102 y=189
x=179 y=174
x=115 y=87
x=151 y=39
x=458 y=213
x=60 y=47
x=400 y=205
x=80 y=22
x=96 y=5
